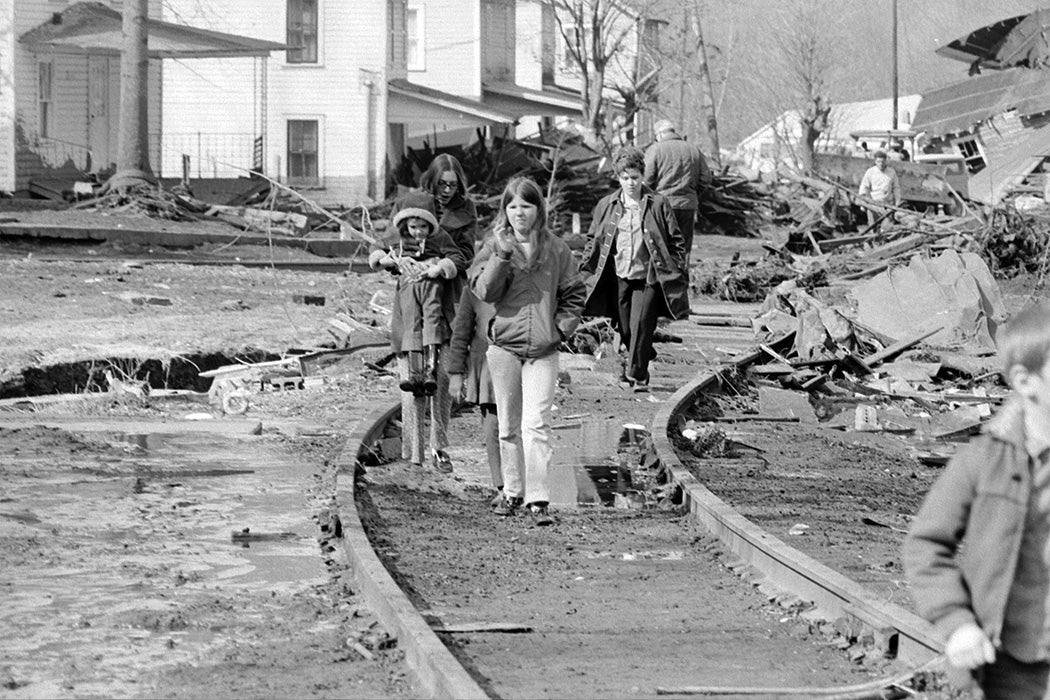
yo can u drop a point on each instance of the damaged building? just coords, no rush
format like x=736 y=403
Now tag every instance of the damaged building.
x=999 y=117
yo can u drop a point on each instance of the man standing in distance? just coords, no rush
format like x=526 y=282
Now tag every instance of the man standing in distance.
x=880 y=186
x=675 y=169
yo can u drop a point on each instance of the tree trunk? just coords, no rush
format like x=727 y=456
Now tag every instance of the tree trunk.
x=133 y=168
x=707 y=92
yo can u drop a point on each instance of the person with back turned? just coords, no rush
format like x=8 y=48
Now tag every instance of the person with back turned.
x=677 y=169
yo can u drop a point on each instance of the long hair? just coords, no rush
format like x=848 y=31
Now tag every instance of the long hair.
x=443 y=163
x=528 y=190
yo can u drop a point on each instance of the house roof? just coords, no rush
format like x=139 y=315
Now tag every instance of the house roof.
x=94 y=28
x=1017 y=41
x=1010 y=167
x=548 y=102
x=846 y=118
x=408 y=103
x=957 y=108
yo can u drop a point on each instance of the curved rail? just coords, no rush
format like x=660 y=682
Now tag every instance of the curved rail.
x=897 y=631
x=438 y=673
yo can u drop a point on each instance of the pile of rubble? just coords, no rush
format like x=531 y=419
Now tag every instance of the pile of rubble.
x=867 y=357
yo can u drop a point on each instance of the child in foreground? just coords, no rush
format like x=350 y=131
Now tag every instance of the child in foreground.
x=978 y=552
x=424 y=259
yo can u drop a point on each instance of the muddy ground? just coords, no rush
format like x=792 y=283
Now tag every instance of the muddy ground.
x=63 y=321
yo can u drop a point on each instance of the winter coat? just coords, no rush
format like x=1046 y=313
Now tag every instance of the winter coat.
x=460 y=220
x=538 y=302
x=980 y=500
x=675 y=169
x=466 y=351
x=439 y=248
x=663 y=240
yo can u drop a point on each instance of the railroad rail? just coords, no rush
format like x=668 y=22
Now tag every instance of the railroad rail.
x=785 y=572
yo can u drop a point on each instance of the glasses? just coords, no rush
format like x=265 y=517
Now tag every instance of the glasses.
x=446 y=185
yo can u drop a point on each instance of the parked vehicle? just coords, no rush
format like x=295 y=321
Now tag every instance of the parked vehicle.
x=927 y=179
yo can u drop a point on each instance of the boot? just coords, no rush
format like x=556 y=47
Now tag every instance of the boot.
x=414 y=382
x=431 y=355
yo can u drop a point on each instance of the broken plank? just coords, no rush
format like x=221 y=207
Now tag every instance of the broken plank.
x=484 y=627
x=899 y=347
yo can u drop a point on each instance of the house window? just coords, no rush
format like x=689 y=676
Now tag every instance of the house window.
x=303 y=152
x=302 y=31
x=45 y=78
x=397 y=25
x=970 y=149
x=415 y=22
x=570 y=40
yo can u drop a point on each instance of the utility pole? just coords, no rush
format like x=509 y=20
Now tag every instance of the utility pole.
x=896 y=91
x=681 y=76
x=711 y=120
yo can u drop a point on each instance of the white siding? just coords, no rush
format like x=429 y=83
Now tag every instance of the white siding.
x=69 y=136
x=452 y=48
x=215 y=96
x=7 y=99
x=528 y=59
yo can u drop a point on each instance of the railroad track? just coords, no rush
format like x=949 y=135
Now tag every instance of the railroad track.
x=597 y=606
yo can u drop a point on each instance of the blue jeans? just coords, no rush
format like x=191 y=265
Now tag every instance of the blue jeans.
x=524 y=390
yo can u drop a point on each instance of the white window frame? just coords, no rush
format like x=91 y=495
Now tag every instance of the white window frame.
x=319 y=62
x=45 y=96
x=319 y=119
x=416 y=39
x=566 y=61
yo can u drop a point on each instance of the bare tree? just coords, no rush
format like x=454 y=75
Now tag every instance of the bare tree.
x=706 y=91
x=690 y=68
x=595 y=34
x=133 y=168
x=805 y=40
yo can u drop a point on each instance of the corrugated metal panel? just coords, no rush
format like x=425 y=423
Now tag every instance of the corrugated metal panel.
x=1007 y=167
x=962 y=106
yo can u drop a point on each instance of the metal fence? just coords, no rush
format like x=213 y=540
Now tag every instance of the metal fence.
x=211 y=154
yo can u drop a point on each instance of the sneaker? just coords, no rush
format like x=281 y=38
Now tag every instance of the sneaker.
x=496 y=500
x=507 y=506
x=441 y=461
x=540 y=516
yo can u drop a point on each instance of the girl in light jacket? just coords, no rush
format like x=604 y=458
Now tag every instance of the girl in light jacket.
x=531 y=279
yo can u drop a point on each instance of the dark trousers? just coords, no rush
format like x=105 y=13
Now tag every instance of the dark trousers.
x=422 y=314
x=686 y=219
x=639 y=305
x=1010 y=679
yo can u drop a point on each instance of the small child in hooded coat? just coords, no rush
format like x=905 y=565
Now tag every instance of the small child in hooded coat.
x=425 y=260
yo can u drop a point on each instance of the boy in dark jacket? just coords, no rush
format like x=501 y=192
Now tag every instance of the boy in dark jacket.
x=635 y=257
x=425 y=259
x=978 y=553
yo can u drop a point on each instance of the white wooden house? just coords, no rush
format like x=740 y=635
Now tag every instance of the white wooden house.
x=60 y=84
x=363 y=80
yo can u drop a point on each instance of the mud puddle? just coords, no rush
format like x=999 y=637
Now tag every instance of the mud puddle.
x=118 y=551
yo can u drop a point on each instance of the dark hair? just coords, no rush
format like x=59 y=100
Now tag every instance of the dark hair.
x=443 y=163
x=1025 y=340
x=880 y=153
x=628 y=157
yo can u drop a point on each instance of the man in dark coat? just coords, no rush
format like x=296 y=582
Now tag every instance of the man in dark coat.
x=635 y=257
x=676 y=169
